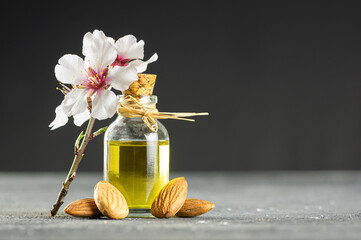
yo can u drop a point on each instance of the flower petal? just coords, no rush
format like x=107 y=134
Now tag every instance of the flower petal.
x=60 y=118
x=88 y=40
x=141 y=66
x=104 y=105
x=111 y=41
x=80 y=118
x=128 y=47
x=98 y=51
x=136 y=51
x=69 y=69
x=123 y=44
x=75 y=102
x=121 y=77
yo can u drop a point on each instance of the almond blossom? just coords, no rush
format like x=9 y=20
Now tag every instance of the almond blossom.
x=91 y=80
x=131 y=52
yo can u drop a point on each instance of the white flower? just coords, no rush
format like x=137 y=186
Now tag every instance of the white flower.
x=130 y=52
x=92 y=80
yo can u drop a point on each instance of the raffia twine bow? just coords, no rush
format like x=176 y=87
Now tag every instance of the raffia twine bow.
x=131 y=107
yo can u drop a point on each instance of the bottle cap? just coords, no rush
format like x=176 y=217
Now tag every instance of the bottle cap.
x=143 y=86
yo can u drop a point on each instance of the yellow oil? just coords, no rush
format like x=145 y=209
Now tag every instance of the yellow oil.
x=139 y=169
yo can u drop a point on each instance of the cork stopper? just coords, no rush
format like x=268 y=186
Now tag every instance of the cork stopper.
x=143 y=86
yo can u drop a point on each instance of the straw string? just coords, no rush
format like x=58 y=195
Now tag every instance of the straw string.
x=131 y=107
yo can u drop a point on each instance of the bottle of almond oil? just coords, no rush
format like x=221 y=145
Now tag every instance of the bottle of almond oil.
x=136 y=157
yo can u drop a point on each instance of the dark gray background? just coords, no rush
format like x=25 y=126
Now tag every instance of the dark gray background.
x=280 y=79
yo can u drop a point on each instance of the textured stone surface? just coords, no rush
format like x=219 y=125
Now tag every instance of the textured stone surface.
x=252 y=205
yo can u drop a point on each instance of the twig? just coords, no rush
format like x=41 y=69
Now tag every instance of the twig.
x=79 y=153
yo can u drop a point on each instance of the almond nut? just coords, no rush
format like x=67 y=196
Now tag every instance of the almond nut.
x=170 y=198
x=110 y=201
x=194 y=207
x=83 y=208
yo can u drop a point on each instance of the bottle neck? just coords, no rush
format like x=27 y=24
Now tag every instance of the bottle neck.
x=131 y=105
x=144 y=99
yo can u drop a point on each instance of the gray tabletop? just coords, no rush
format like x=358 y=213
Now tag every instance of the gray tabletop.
x=249 y=205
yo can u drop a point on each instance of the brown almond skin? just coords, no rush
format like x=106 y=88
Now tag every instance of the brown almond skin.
x=194 y=208
x=110 y=201
x=83 y=208
x=170 y=198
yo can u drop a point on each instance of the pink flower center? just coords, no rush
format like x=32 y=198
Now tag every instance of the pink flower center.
x=120 y=61
x=95 y=80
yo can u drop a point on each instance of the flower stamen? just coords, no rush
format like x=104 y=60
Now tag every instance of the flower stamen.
x=64 y=90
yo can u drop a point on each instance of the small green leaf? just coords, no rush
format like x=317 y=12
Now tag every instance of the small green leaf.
x=81 y=135
x=98 y=132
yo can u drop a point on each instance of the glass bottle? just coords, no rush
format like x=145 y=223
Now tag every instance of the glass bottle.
x=136 y=159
